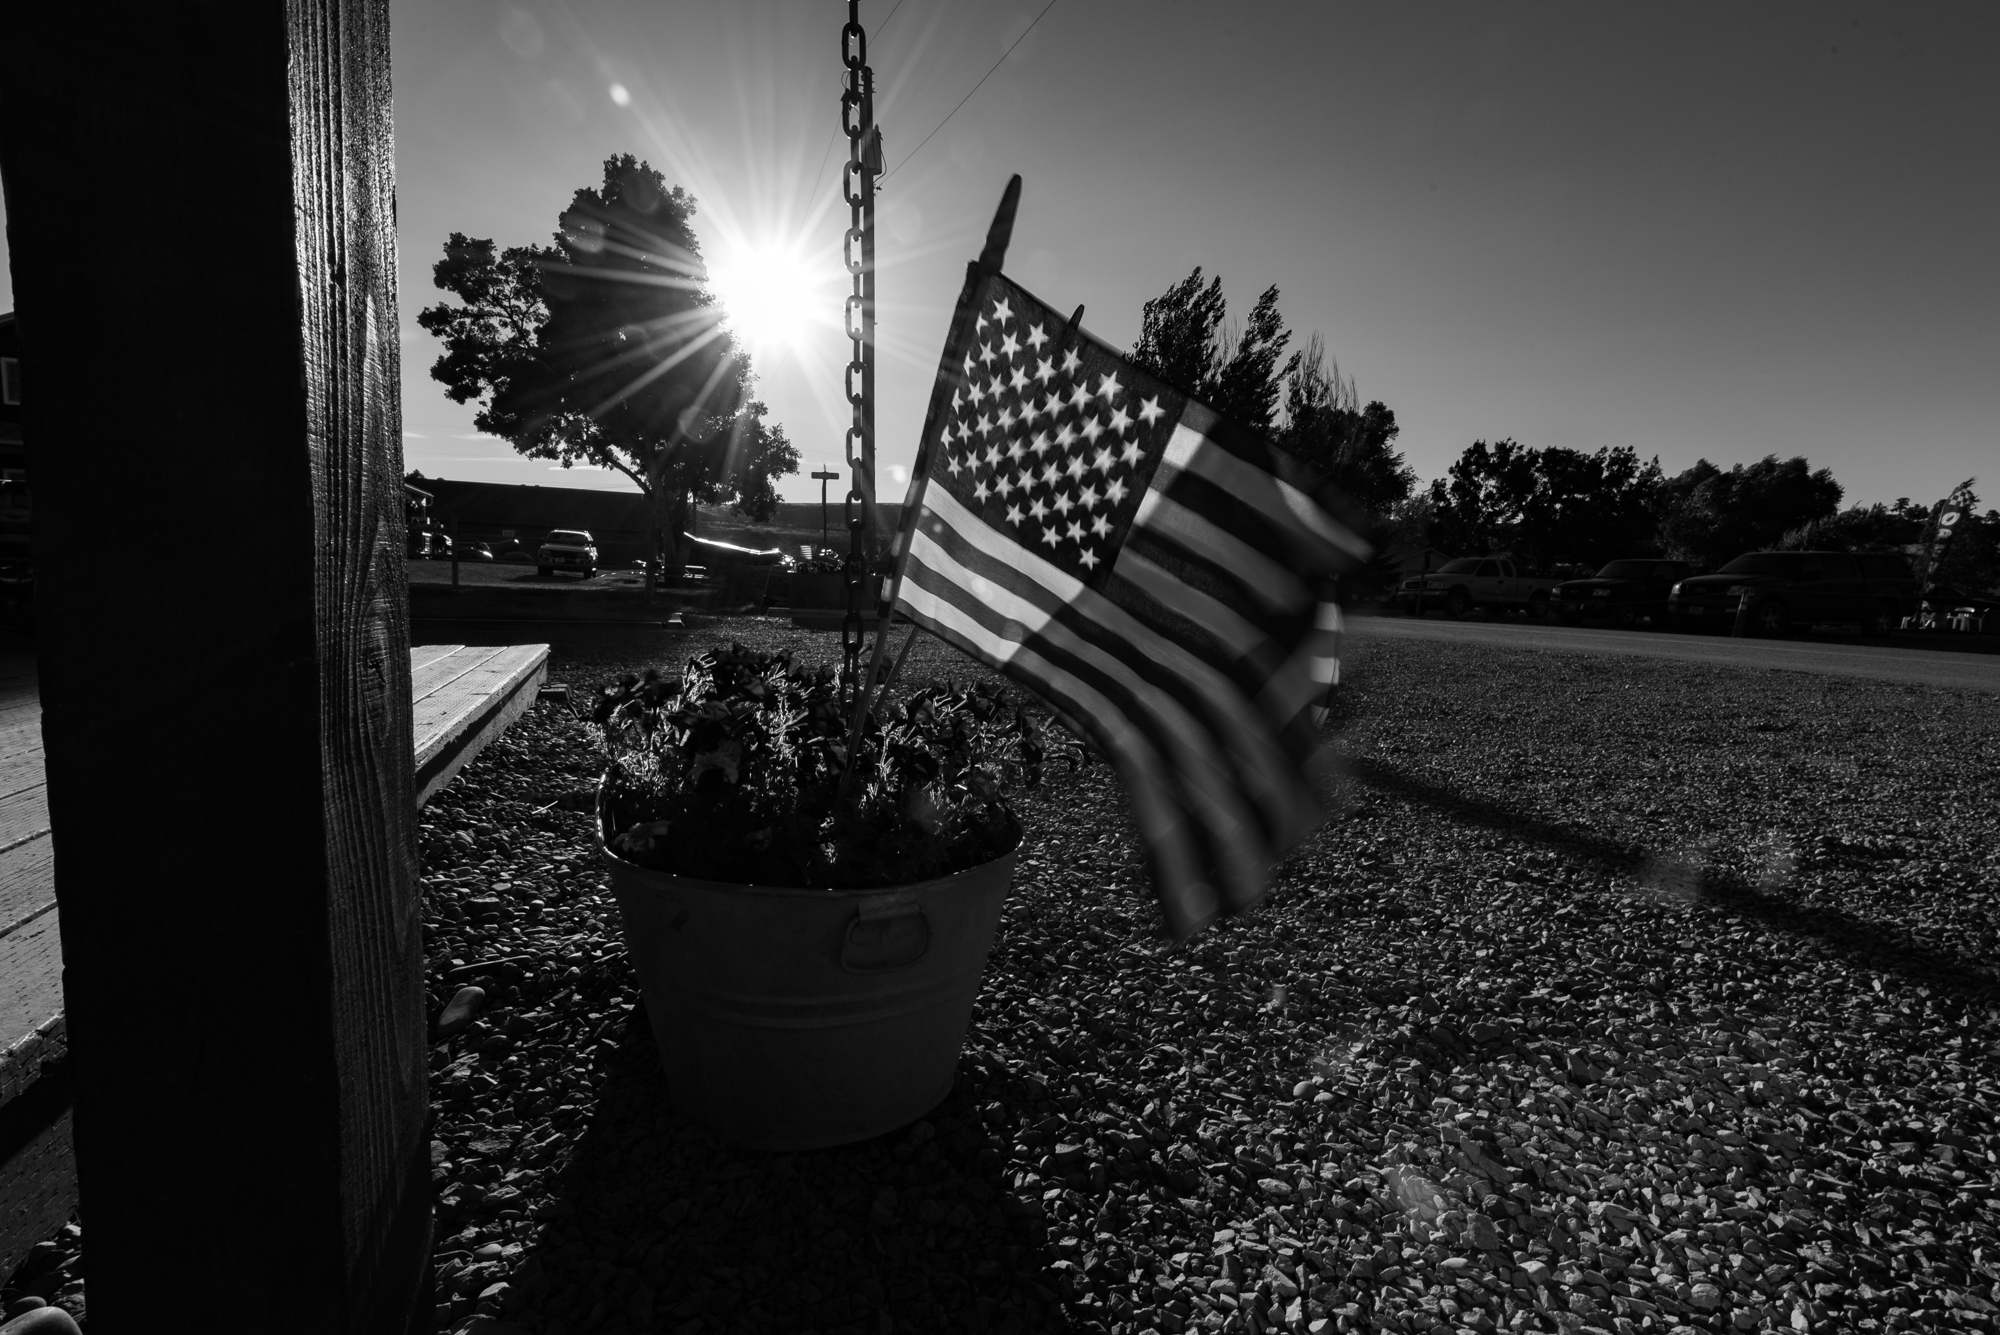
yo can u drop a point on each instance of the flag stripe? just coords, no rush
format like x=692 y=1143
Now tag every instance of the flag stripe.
x=1210 y=785
x=1211 y=614
x=1205 y=700
x=1190 y=901
x=1272 y=497
x=1265 y=677
x=1174 y=525
x=1225 y=586
x=1299 y=682
x=1306 y=558
x=1246 y=675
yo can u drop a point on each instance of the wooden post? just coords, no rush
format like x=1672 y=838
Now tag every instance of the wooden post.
x=228 y=747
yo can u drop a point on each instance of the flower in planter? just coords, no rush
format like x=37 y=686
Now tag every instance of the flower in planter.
x=733 y=772
x=825 y=561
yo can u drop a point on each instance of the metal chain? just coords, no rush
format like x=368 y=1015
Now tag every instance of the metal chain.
x=858 y=187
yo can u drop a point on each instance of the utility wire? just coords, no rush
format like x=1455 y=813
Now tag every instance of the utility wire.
x=823 y=157
x=968 y=97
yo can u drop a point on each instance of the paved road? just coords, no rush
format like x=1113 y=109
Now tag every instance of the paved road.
x=1831 y=655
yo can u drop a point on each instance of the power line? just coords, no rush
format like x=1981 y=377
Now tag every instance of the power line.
x=828 y=153
x=975 y=88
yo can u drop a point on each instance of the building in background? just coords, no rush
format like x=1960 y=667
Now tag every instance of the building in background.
x=506 y=515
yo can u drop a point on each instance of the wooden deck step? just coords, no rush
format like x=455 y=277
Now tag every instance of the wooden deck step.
x=461 y=699
x=37 y=1170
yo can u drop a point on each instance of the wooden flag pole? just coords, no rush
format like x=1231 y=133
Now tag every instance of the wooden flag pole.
x=991 y=257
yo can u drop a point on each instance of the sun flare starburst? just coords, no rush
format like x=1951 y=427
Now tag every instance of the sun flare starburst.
x=771 y=295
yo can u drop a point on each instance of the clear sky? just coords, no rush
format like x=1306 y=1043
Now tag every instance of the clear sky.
x=1695 y=229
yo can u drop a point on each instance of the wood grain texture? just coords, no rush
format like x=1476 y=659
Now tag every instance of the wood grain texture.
x=233 y=817
x=27 y=887
x=37 y=1191
x=465 y=711
x=422 y=656
x=437 y=673
x=31 y=990
x=23 y=1057
x=344 y=191
x=20 y=747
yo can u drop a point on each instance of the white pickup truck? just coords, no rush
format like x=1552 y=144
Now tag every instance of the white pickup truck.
x=1489 y=582
x=567 y=549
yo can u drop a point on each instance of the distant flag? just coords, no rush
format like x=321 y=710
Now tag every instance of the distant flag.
x=1944 y=523
x=1143 y=565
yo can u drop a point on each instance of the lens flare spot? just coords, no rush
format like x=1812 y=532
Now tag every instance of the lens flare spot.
x=621 y=95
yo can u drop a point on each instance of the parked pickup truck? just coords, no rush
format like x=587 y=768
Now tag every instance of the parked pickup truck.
x=1787 y=590
x=1489 y=582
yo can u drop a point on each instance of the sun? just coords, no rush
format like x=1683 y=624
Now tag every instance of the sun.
x=769 y=294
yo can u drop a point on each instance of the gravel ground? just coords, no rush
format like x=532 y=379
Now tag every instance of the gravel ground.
x=1619 y=996
x=50 y=1275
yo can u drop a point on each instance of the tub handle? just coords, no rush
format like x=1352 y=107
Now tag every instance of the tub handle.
x=888 y=932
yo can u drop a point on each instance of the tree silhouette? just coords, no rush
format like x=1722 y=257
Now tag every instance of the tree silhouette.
x=1549 y=506
x=1476 y=507
x=608 y=349
x=1710 y=516
x=1185 y=339
x=1338 y=440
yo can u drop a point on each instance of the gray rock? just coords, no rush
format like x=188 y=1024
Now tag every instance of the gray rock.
x=461 y=1011
x=1481 y=1232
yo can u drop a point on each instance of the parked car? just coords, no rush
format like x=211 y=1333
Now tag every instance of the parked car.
x=477 y=551
x=516 y=554
x=1489 y=582
x=1787 y=590
x=1621 y=593
x=567 y=549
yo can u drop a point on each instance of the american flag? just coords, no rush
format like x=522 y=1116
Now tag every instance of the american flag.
x=1142 y=565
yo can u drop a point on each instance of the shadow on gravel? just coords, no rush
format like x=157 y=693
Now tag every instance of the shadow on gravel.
x=656 y=1225
x=1869 y=942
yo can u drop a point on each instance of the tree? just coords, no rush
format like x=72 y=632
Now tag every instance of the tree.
x=1347 y=445
x=1709 y=516
x=1185 y=340
x=1179 y=335
x=1476 y=507
x=1859 y=528
x=607 y=348
x=1590 y=508
x=1248 y=386
x=1547 y=507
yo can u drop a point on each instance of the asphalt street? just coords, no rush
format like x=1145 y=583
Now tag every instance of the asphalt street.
x=1830 y=655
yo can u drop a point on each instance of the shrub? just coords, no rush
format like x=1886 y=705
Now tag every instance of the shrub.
x=733 y=773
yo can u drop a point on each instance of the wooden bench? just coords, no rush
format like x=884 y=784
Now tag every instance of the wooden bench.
x=461 y=699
